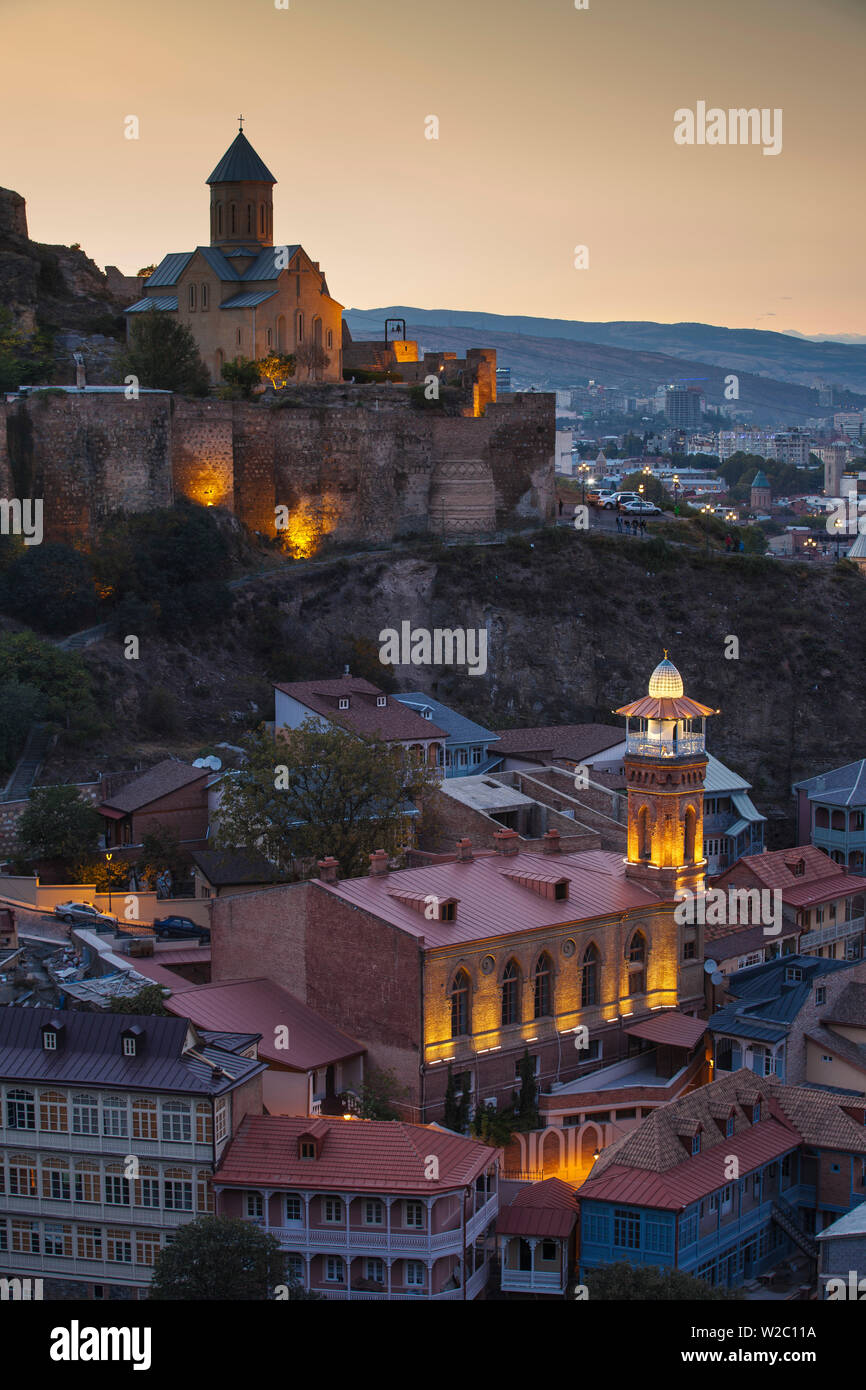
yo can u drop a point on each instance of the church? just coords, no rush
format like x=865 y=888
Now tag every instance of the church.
x=242 y=296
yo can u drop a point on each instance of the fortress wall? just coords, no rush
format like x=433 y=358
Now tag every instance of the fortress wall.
x=202 y=456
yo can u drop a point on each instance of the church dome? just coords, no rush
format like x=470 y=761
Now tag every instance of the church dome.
x=666 y=681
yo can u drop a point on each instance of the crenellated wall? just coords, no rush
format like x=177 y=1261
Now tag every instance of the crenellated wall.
x=359 y=463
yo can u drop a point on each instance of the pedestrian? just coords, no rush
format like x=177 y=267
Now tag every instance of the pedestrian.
x=741 y=547
x=560 y=506
x=643 y=526
x=728 y=544
x=619 y=523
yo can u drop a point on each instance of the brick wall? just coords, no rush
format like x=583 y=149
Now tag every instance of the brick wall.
x=811 y=1014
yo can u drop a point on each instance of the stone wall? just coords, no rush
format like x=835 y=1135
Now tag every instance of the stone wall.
x=358 y=463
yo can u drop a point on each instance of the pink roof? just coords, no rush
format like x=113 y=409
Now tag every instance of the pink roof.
x=260 y=1006
x=671 y=1028
x=490 y=900
x=391 y=721
x=354 y=1156
x=181 y=955
x=822 y=890
x=775 y=868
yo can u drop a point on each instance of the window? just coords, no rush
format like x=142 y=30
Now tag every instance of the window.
x=203 y=1191
x=460 y=1004
x=146 y=1247
x=115 y=1120
x=375 y=1270
x=219 y=219
x=414 y=1274
x=116 y=1186
x=88 y=1185
x=543 y=1003
x=374 y=1212
x=25 y=1237
x=334 y=1270
x=250 y=218
x=57 y=1238
x=88 y=1243
x=255 y=1204
x=821 y=994
x=696 y=1144
x=295 y=1269
x=330 y=338
x=203 y=1123
x=589 y=976
x=549 y=1249
x=238 y=337
x=659 y=1235
x=300 y=328
x=22 y=1176
x=756 y=1113
x=381 y=701
x=729 y=1126
x=332 y=1211
x=176 y=1121
x=85 y=1115
x=268 y=337
x=49 y=1040
x=205 y=296
x=308 y=1148
x=192 y=299
x=178 y=1190
x=20 y=1110
x=147 y=1187
x=262 y=227
x=688 y=1229
x=626 y=1229
x=294 y=1210
x=690 y=948
x=55 y=1179
x=637 y=964
x=510 y=993
x=413 y=1215
x=118 y=1246
x=53 y=1111
x=232 y=217
x=221 y=1121
x=144 y=1119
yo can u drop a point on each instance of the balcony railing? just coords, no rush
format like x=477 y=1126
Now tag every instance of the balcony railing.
x=834 y=932
x=647 y=746
x=370 y=1238
x=532 y=1280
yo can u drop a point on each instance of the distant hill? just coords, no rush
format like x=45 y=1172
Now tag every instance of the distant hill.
x=778 y=373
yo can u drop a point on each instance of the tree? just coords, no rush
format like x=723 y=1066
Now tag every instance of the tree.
x=649 y=1284
x=277 y=367
x=380 y=1090
x=148 y=1000
x=50 y=587
x=58 y=824
x=161 y=850
x=61 y=677
x=312 y=359
x=526 y=1102
x=19 y=706
x=218 y=1258
x=163 y=355
x=653 y=489
x=318 y=790
x=24 y=359
x=492 y=1126
x=456 y=1106
x=242 y=375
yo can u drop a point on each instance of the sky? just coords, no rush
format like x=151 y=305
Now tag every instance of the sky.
x=555 y=131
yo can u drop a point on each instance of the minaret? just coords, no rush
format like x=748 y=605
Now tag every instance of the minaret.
x=665 y=765
x=241 y=198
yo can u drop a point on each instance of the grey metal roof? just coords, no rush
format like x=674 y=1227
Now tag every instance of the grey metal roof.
x=170 y=269
x=159 y=301
x=458 y=728
x=91 y=1053
x=265 y=267
x=746 y=807
x=720 y=778
x=218 y=262
x=841 y=786
x=240 y=163
x=248 y=300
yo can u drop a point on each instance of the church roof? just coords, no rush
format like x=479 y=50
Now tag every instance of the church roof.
x=166 y=302
x=263 y=267
x=240 y=164
x=248 y=299
x=170 y=269
x=760 y=479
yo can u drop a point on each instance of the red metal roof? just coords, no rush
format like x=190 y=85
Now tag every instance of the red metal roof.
x=260 y=1006
x=354 y=1156
x=822 y=890
x=665 y=707
x=672 y=1027
x=490 y=900
x=393 y=720
x=676 y=1188
x=545 y=1208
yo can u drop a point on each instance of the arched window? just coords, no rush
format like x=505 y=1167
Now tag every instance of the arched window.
x=510 y=993
x=232 y=218
x=176 y=1121
x=22 y=1176
x=644 y=836
x=117 y=1189
x=53 y=1111
x=689 y=835
x=542 y=980
x=20 y=1109
x=177 y=1188
x=589 y=972
x=460 y=1004
x=250 y=227
x=55 y=1179
x=88 y=1186
x=637 y=953
x=219 y=219
x=330 y=338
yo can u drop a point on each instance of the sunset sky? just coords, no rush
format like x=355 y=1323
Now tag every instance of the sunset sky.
x=555 y=130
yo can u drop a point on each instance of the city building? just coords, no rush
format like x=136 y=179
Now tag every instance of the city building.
x=242 y=296
x=110 y=1128
x=760 y=496
x=349 y=702
x=171 y=796
x=831 y=811
x=792 y=446
x=467 y=750
x=819 y=896
x=535 y=1234
x=843 y=1255
x=727 y=1182
x=683 y=406
x=221 y=871
x=367 y=1209
x=503 y=381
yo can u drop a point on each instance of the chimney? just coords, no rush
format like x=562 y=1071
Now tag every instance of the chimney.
x=328 y=869
x=551 y=842
x=378 y=862
x=506 y=841
x=464 y=850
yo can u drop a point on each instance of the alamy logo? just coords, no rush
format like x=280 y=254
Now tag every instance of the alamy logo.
x=736 y=126
x=738 y=907
x=19 y=518
x=847 y=517
x=444 y=646
x=77 y=1343
x=19 y=1290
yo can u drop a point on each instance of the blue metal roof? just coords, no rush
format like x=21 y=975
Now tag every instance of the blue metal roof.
x=170 y=269
x=842 y=786
x=249 y=300
x=218 y=263
x=264 y=267
x=458 y=728
x=766 y=1002
x=159 y=301
x=240 y=164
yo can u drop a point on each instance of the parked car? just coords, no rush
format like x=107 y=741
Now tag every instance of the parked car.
x=643 y=508
x=179 y=929
x=622 y=499
x=601 y=498
x=84 y=915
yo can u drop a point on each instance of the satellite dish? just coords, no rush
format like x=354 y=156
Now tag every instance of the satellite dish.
x=710 y=966
x=717 y=978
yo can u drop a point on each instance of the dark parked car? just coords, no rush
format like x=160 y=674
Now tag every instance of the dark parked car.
x=179 y=929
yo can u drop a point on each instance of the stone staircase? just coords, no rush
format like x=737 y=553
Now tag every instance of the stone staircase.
x=788 y=1220
x=29 y=764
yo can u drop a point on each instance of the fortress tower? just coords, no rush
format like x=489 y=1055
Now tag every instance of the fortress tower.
x=241 y=198
x=665 y=765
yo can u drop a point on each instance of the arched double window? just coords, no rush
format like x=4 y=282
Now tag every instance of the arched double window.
x=644 y=834
x=511 y=994
x=460 y=1004
x=637 y=955
x=543 y=986
x=589 y=972
x=690 y=823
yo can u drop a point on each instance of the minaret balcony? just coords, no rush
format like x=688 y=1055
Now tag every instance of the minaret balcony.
x=648 y=745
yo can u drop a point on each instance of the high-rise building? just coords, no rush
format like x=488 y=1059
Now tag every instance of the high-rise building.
x=683 y=406
x=503 y=381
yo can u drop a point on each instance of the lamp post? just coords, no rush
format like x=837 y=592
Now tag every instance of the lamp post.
x=676 y=483
x=108 y=862
x=706 y=511
x=583 y=470
x=838 y=525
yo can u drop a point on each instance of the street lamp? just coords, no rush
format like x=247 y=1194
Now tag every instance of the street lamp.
x=676 y=483
x=838 y=525
x=108 y=862
x=707 y=511
x=583 y=470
